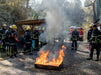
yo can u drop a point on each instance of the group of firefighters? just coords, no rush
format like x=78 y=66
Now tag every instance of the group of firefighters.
x=93 y=37
x=9 y=40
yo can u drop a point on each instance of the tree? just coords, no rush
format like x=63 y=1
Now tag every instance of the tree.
x=12 y=10
x=75 y=13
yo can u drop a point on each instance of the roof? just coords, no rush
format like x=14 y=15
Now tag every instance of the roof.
x=30 y=22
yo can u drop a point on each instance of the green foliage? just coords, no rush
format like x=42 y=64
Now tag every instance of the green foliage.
x=35 y=15
x=12 y=10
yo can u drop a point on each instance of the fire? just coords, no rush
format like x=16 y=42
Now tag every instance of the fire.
x=55 y=62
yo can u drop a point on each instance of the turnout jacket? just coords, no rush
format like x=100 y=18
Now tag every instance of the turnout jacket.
x=27 y=36
x=75 y=35
x=2 y=34
x=96 y=36
x=89 y=34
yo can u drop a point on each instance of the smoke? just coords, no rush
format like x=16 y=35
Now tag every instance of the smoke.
x=55 y=19
x=55 y=23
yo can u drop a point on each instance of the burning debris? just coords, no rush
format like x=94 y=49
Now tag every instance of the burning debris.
x=43 y=62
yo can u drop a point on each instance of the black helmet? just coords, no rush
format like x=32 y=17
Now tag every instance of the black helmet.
x=94 y=25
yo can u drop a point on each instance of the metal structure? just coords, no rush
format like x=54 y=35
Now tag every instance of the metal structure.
x=97 y=10
x=32 y=23
x=49 y=67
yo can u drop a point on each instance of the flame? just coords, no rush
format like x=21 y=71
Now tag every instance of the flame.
x=55 y=62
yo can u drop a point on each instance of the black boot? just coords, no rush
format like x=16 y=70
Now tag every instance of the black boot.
x=89 y=58
x=97 y=60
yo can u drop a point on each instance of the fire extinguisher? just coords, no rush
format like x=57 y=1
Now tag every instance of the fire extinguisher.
x=89 y=46
x=16 y=38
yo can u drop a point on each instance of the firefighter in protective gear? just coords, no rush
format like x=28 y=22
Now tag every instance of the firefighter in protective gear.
x=95 y=42
x=28 y=40
x=36 y=38
x=12 y=49
x=74 y=38
x=2 y=37
x=8 y=41
x=90 y=34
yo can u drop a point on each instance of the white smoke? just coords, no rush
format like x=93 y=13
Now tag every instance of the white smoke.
x=55 y=22
x=55 y=19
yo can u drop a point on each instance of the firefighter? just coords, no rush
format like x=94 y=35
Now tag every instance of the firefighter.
x=89 y=35
x=36 y=38
x=89 y=32
x=2 y=36
x=95 y=42
x=13 y=41
x=74 y=38
x=7 y=39
x=28 y=40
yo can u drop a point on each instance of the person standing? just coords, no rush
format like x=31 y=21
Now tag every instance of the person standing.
x=7 y=39
x=13 y=41
x=36 y=38
x=89 y=35
x=95 y=42
x=74 y=38
x=27 y=40
x=2 y=36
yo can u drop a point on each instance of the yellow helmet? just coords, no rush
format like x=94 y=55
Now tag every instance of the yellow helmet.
x=90 y=26
x=36 y=27
x=28 y=28
x=4 y=25
x=43 y=28
x=14 y=26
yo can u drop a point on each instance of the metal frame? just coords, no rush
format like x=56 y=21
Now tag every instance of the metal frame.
x=33 y=23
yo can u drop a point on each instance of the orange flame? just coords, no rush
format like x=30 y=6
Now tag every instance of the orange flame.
x=55 y=62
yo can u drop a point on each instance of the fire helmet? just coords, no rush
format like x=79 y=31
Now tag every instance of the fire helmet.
x=90 y=26
x=14 y=26
x=36 y=27
x=4 y=25
x=94 y=25
x=10 y=26
x=28 y=28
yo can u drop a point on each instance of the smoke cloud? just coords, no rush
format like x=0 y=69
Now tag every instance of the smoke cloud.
x=55 y=19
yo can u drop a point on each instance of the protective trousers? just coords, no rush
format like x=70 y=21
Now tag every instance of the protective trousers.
x=36 y=43
x=95 y=46
x=11 y=50
x=27 y=47
x=74 y=45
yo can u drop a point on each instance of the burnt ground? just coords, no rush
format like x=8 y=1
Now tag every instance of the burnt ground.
x=75 y=63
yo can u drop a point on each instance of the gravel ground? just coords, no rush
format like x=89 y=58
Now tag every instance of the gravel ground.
x=75 y=63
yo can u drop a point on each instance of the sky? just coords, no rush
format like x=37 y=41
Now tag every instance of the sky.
x=39 y=1
x=82 y=2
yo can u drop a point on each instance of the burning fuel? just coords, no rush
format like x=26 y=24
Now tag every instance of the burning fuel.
x=43 y=59
x=52 y=54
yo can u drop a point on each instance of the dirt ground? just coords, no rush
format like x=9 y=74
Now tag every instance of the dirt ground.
x=75 y=63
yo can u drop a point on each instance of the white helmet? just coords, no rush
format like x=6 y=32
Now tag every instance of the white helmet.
x=4 y=25
x=10 y=26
